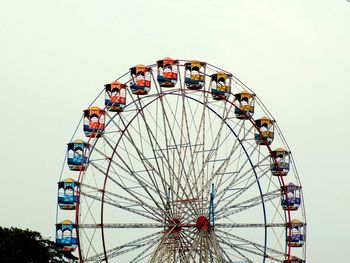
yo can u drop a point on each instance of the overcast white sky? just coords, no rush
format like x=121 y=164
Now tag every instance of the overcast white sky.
x=55 y=57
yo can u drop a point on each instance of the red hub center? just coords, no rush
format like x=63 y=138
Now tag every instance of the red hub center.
x=202 y=223
x=174 y=226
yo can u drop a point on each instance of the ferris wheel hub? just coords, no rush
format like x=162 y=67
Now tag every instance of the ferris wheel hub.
x=174 y=226
x=202 y=223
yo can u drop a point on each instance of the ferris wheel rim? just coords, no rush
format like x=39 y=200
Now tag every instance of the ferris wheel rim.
x=156 y=98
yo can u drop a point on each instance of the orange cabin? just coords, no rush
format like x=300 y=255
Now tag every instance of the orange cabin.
x=140 y=83
x=167 y=72
x=115 y=96
x=94 y=121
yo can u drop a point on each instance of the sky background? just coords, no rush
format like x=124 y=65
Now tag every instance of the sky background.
x=55 y=57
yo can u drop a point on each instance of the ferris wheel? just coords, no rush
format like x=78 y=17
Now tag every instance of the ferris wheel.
x=179 y=161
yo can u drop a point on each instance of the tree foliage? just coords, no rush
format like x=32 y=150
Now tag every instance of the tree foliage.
x=17 y=245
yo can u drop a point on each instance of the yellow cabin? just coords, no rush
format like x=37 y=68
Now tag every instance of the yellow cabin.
x=220 y=85
x=195 y=74
x=264 y=132
x=244 y=102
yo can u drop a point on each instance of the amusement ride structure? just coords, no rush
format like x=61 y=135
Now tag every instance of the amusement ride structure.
x=179 y=162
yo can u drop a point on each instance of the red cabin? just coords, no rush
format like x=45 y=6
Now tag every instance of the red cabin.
x=94 y=122
x=140 y=83
x=167 y=70
x=115 y=96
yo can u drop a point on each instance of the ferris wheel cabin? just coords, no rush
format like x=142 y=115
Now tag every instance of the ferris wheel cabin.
x=280 y=162
x=244 y=105
x=291 y=197
x=140 y=83
x=220 y=85
x=264 y=132
x=94 y=122
x=67 y=194
x=76 y=159
x=195 y=74
x=296 y=239
x=115 y=96
x=66 y=236
x=167 y=70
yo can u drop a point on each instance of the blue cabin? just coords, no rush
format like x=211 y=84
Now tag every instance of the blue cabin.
x=280 y=162
x=77 y=152
x=68 y=191
x=140 y=83
x=195 y=74
x=220 y=85
x=115 y=96
x=264 y=132
x=244 y=102
x=291 y=197
x=94 y=121
x=66 y=236
x=167 y=70
x=296 y=237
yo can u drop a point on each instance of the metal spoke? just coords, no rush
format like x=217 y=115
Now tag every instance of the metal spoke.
x=127 y=247
x=254 y=244
x=126 y=208
x=247 y=204
x=129 y=201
